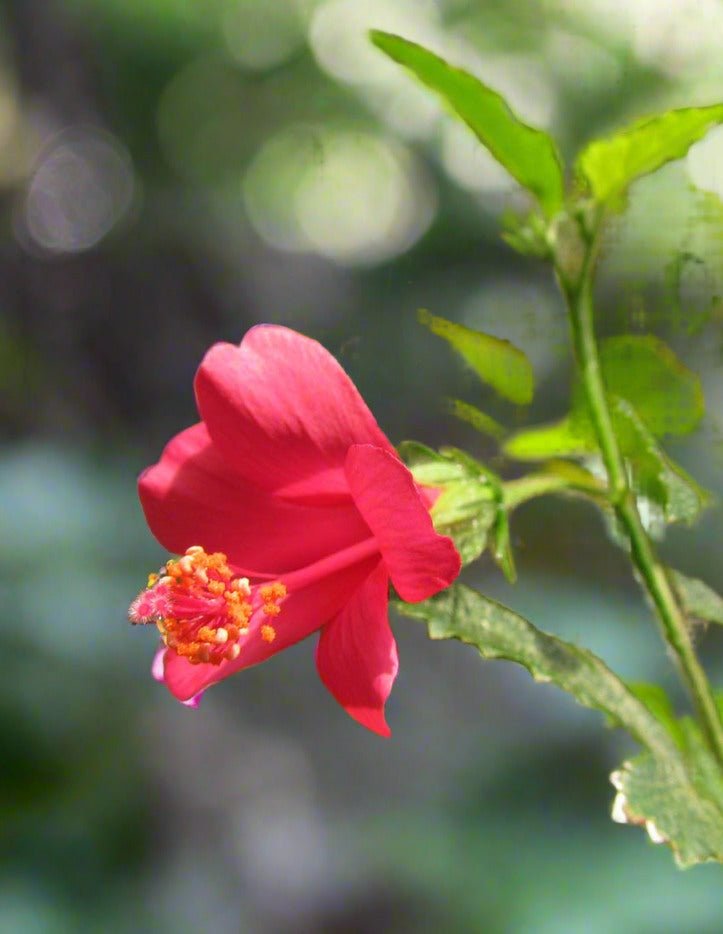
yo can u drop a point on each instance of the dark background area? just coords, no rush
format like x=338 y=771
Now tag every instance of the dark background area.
x=174 y=171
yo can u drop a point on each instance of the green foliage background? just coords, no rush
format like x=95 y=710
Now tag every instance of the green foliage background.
x=172 y=172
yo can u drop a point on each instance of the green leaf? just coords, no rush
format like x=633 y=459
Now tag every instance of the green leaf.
x=559 y=439
x=675 y=793
x=498 y=632
x=528 y=154
x=643 y=370
x=666 y=395
x=610 y=165
x=678 y=801
x=477 y=419
x=658 y=703
x=467 y=508
x=496 y=361
x=653 y=474
x=698 y=599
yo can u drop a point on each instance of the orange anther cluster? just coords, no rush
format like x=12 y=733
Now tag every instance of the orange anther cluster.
x=271 y=595
x=202 y=611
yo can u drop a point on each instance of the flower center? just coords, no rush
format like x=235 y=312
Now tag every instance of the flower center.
x=202 y=610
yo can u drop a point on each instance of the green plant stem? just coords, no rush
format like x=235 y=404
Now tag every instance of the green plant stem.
x=533 y=485
x=578 y=291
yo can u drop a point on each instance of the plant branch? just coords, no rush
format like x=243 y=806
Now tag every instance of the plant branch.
x=578 y=291
x=533 y=485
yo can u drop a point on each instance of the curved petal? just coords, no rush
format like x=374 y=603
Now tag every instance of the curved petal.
x=191 y=497
x=314 y=598
x=420 y=562
x=158 y=672
x=283 y=412
x=357 y=656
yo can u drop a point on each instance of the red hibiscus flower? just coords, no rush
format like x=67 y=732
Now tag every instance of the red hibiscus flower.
x=292 y=513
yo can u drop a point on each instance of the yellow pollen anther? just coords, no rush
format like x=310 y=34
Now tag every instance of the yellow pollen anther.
x=202 y=610
x=275 y=591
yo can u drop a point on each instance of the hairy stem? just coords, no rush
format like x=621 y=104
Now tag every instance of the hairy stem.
x=578 y=291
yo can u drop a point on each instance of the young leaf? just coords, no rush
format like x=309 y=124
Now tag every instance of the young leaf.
x=528 y=154
x=496 y=361
x=610 y=165
x=698 y=599
x=559 y=439
x=666 y=395
x=682 y=807
x=498 y=632
x=653 y=474
x=479 y=420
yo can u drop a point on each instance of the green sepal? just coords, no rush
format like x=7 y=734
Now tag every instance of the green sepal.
x=467 y=507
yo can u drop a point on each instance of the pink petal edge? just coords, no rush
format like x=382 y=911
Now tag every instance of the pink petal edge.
x=158 y=673
x=284 y=413
x=420 y=562
x=356 y=656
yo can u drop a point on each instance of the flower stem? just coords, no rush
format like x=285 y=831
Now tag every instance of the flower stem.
x=578 y=291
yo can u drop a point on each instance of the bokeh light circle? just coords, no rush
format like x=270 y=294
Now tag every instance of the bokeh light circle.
x=349 y=195
x=82 y=186
x=261 y=36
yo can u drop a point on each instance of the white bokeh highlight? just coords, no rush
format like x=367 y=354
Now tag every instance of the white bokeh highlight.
x=82 y=187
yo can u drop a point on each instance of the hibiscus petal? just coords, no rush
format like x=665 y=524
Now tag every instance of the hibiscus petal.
x=191 y=497
x=283 y=412
x=316 y=595
x=357 y=655
x=420 y=562
x=158 y=673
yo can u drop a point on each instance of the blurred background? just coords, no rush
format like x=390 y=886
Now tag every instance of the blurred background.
x=174 y=171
